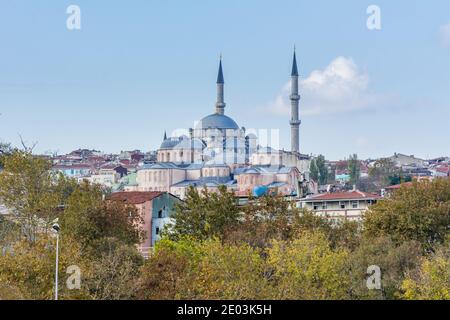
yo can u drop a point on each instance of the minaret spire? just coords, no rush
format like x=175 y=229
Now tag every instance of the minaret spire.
x=294 y=66
x=165 y=135
x=295 y=98
x=220 y=104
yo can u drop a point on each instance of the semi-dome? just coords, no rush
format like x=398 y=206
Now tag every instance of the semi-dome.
x=217 y=121
x=182 y=143
x=188 y=144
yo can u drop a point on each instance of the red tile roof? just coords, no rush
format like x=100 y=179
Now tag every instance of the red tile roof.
x=134 y=197
x=398 y=186
x=443 y=169
x=73 y=166
x=350 y=195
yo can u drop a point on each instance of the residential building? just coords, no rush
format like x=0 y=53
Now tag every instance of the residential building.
x=337 y=206
x=156 y=209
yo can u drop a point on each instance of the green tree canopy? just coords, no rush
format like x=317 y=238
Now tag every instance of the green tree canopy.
x=420 y=212
x=205 y=215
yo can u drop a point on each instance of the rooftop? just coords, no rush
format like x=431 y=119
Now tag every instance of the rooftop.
x=134 y=197
x=349 y=195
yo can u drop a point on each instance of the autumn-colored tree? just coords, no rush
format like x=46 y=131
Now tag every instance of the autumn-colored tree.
x=262 y=219
x=231 y=272
x=308 y=268
x=394 y=261
x=100 y=237
x=29 y=268
x=344 y=234
x=420 y=212
x=431 y=279
x=89 y=219
x=115 y=270
x=170 y=272
x=5 y=150
x=28 y=189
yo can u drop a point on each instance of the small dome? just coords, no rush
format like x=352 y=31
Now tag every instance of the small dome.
x=217 y=121
x=169 y=143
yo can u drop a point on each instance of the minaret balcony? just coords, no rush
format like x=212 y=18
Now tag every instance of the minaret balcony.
x=295 y=122
x=295 y=97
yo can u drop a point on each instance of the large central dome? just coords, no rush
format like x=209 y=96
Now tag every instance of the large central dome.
x=217 y=121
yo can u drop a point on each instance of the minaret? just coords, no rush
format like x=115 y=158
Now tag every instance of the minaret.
x=220 y=104
x=295 y=98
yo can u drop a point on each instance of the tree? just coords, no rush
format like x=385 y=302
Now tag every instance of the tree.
x=89 y=219
x=231 y=272
x=28 y=189
x=313 y=170
x=5 y=150
x=354 y=168
x=171 y=271
x=318 y=170
x=307 y=268
x=382 y=171
x=431 y=280
x=393 y=259
x=115 y=271
x=263 y=219
x=100 y=237
x=29 y=268
x=420 y=212
x=344 y=234
x=205 y=215
x=323 y=171
x=9 y=232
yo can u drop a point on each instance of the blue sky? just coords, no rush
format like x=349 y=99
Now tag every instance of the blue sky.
x=137 y=68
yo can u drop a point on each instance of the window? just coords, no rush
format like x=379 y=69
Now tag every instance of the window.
x=324 y=206
x=355 y=204
x=157 y=231
x=315 y=206
x=342 y=204
x=160 y=214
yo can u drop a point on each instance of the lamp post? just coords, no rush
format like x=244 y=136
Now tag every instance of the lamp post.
x=56 y=228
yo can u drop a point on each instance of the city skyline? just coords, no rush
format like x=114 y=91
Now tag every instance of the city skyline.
x=117 y=84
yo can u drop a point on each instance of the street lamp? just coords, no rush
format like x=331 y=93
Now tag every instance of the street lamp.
x=56 y=228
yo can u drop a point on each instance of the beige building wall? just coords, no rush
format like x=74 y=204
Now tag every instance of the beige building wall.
x=159 y=179
x=352 y=210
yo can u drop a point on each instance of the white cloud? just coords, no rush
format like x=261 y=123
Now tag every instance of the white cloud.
x=340 y=87
x=444 y=33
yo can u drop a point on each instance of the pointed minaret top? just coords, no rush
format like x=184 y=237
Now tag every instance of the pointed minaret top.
x=220 y=75
x=165 y=135
x=294 y=66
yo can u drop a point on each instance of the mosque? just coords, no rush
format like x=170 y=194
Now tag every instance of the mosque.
x=219 y=152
